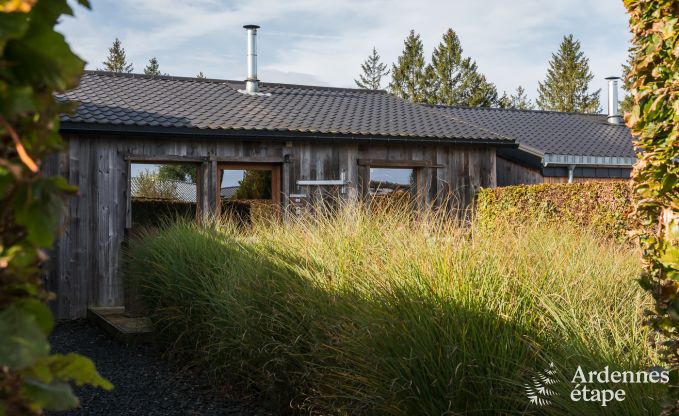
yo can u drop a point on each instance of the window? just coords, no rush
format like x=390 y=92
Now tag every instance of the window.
x=392 y=186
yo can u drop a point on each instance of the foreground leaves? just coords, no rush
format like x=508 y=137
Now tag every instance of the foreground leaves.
x=35 y=62
x=654 y=120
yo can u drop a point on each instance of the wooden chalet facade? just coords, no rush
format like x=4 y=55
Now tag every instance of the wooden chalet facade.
x=311 y=138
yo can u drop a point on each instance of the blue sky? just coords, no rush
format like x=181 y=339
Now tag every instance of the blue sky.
x=324 y=42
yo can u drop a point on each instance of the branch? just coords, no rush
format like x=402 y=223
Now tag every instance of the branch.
x=21 y=150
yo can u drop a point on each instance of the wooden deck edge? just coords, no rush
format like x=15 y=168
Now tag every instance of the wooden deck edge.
x=125 y=329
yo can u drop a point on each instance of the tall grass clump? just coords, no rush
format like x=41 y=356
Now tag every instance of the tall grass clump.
x=386 y=313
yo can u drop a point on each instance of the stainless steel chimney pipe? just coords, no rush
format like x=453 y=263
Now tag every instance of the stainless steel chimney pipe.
x=251 y=82
x=613 y=114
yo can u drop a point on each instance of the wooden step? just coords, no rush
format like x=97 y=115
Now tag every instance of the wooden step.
x=120 y=326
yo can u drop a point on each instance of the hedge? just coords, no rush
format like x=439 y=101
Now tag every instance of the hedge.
x=602 y=206
x=152 y=212
x=148 y=212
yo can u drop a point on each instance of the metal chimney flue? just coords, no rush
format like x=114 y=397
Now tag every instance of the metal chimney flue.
x=613 y=113
x=251 y=82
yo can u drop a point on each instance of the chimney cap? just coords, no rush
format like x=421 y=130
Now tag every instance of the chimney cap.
x=250 y=27
x=612 y=77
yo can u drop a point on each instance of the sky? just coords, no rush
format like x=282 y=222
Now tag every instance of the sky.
x=318 y=42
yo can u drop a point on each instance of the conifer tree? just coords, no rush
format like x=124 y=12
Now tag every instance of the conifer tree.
x=627 y=103
x=482 y=93
x=566 y=87
x=373 y=71
x=407 y=75
x=457 y=79
x=152 y=68
x=504 y=101
x=200 y=75
x=520 y=100
x=116 y=60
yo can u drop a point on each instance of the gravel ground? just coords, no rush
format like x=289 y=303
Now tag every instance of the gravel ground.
x=144 y=383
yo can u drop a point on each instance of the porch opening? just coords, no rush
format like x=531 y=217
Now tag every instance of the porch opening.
x=249 y=192
x=160 y=192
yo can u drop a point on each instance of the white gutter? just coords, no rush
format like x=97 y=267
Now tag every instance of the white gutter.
x=600 y=161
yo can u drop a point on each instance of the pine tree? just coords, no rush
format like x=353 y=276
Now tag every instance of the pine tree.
x=447 y=64
x=200 y=75
x=373 y=71
x=152 y=68
x=504 y=101
x=483 y=93
x=116 y=60
x=407 y=75
x=457 y=79
x=567 y=83
x=520 y=100
x=627 y=103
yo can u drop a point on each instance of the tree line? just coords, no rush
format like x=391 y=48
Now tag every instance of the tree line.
x=452 y=79
x=117 y=62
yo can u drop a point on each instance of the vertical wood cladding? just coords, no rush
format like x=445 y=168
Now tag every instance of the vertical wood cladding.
x=512 y=173
x=86 y=266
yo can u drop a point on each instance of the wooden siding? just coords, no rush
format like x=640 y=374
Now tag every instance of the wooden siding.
x=513 y=173
x=86 y=270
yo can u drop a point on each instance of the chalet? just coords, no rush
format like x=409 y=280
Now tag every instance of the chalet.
x=315 y=141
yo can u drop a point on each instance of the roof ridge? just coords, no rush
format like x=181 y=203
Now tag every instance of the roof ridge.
x=525 y=110
x=232 y=81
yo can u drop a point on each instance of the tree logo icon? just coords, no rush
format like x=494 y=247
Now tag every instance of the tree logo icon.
x=538 y=390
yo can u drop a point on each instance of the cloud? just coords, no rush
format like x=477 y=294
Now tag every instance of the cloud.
x=308 y=41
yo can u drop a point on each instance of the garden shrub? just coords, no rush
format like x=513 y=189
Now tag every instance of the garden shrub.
x=653 y=79
x=370 y=312
x=155 y=212
x=602 y=206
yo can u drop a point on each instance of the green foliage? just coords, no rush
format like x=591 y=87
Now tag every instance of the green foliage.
x=566 y=86
x=600 y=206
x=256 y=184
x=35 y=62
x=379 y=313
x=450 y=79
x=520 y=100
x=373 y=71
x=116 y=61
x=407 y=75
x=182 y=173
x=627 y=103
x=152 y=68
x=653 y=81
x=457 y=81
x=152 y=186
x=156 y=212
x=200 y=75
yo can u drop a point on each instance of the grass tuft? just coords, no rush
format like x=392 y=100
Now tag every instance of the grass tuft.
x=383 y=313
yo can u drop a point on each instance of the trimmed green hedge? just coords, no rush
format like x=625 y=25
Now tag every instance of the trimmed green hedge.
x=602 y=206
x=153 y=212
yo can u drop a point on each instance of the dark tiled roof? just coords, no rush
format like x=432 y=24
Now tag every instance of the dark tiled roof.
x=551 y=132
x=128 y=102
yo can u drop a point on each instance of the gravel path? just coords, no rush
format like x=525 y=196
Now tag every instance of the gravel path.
x=144 y=383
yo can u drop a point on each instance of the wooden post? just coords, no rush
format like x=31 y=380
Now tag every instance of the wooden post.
x=128 y=194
